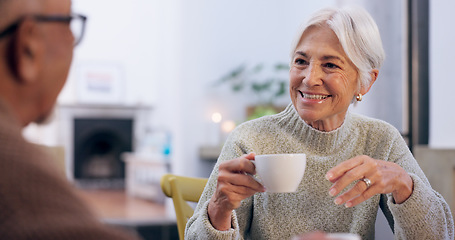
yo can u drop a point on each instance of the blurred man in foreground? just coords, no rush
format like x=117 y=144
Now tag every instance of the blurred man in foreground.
x=36 y=48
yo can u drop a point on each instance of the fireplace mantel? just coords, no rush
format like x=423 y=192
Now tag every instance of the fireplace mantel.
x=68 y=114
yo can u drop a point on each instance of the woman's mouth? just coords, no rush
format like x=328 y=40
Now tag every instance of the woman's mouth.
x=313 y=96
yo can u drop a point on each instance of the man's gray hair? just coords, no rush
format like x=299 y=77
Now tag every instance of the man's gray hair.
x=358 y=35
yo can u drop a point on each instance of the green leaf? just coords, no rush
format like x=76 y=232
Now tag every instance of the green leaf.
x=238 y=71
x=258 y=68
x=282 y=90
x=232 y=75
x=258 y=87
x=238 y=87
x=281 y=66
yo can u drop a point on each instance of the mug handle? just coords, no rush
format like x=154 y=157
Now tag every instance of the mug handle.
x=253 y=176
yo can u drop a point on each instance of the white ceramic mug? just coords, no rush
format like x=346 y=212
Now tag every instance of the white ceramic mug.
x=280 y=173
x=343 y=236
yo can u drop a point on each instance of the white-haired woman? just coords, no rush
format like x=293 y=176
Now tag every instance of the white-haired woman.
x=355 y=164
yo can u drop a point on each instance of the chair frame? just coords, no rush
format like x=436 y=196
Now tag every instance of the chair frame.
x=182 y=189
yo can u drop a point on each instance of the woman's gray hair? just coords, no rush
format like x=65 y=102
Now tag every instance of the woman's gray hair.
x=358 y=35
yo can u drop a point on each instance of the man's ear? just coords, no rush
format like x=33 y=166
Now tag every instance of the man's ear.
x=374 y=75
x=26 y=52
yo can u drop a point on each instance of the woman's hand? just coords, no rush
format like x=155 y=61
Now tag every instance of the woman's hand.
x=385 y=177
x=234 y=185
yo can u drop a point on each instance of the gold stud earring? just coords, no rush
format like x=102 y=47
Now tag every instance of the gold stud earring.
x=359 y=97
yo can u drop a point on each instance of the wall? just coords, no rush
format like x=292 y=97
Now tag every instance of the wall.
x=442 y=84
x=386 y=98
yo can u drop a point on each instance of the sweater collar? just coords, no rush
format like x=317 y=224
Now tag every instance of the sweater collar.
x=315 y=140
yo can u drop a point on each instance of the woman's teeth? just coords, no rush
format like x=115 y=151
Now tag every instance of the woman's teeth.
x=317 y=97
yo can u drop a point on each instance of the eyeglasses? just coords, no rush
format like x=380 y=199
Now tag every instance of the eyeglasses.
x=76 y=21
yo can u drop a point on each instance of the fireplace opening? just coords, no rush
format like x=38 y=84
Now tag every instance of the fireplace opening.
x=98 y=145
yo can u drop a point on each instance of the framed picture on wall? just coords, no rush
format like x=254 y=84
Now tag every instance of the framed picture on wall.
x=100 y=83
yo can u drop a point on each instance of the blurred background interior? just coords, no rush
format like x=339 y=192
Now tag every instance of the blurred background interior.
x=156 y=86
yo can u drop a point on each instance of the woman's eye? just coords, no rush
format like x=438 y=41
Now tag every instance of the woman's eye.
x=299 y=61
x=331 y=65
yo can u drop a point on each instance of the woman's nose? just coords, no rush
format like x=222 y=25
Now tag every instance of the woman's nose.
x=312 y=76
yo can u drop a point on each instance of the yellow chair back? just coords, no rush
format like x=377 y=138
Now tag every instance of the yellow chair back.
x=182 y=189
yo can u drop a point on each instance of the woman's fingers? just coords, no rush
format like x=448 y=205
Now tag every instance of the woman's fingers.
x=231 y=196
x=365 y=195
x=383 y=177
x=235 y=182
x=240 y=180
x=233 y=185
x=238 y=172
x=357 y=194
x=242 y=164
x=338 y=171
x=351 y=171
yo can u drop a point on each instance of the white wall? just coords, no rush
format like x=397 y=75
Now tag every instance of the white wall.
x=122 y=34
x=442 y=83
x=386 y=98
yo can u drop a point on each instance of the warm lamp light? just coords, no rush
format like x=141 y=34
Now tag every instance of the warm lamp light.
x=227 y=126
x=216 y=117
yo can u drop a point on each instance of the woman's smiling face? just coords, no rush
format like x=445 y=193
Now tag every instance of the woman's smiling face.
x=323 y=81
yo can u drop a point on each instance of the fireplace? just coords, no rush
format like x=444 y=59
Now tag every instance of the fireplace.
x=95 y=138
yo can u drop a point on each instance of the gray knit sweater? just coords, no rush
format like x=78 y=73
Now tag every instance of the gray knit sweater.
x=424 y=215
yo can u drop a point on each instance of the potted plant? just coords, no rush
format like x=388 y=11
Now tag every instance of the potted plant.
x=268 y=84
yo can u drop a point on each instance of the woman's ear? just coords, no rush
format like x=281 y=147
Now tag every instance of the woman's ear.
x=26 y=52
x=374 y=75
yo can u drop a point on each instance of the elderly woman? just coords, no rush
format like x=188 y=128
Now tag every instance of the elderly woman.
x=355 y=164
